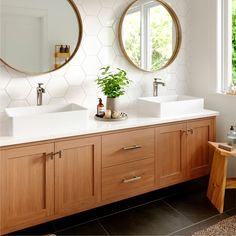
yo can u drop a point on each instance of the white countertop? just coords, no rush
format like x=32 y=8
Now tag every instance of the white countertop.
x=94 y=127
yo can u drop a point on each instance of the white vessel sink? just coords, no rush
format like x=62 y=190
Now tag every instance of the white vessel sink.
x=169 y=106
x=46 y=120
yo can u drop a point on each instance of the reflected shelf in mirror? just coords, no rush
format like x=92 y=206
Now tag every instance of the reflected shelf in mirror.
x=38 y=26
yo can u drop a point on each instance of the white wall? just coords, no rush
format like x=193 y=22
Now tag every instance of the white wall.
x=75 y=82
x=204 y=66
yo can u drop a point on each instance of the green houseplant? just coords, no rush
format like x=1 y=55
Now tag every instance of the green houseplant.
x=113 y=83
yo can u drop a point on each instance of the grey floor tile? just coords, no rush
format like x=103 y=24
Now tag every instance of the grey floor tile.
x=90 y=228
x=194 y=206
x=151 y=219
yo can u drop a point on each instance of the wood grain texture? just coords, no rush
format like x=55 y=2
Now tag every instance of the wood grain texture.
x=78 y=174
x=198 y=151
x=113 y=145
x=28 y=186
x=217 y=181
x=114 y=186
x=170 y=154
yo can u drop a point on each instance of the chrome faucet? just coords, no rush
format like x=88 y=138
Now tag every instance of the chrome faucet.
x=40 y=92
x=155 y=86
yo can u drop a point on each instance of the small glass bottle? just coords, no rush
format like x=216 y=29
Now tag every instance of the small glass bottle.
x=231 y=137
x=100 y=109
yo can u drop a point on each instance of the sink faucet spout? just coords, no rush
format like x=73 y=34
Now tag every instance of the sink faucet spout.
x=156 y=83
x=40 y=92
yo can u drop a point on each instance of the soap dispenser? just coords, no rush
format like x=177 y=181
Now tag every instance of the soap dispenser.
x=231 y=137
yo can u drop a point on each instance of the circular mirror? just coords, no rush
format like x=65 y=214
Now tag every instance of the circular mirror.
x=150 y=34
x=38 y=36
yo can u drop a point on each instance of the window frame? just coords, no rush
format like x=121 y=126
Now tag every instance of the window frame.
x=225 y=29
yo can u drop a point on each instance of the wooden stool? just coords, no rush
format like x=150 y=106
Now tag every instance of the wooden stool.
x=218 y=181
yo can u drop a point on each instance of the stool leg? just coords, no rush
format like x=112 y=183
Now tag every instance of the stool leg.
x=217 y=181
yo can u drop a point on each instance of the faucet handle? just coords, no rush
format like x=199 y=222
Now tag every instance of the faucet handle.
x=40 y=84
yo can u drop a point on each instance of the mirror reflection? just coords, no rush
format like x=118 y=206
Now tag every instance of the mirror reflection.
x=38 y=36
x=150 y=34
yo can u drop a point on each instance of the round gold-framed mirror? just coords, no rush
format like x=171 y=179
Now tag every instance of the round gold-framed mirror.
x=38 y=37
x=150 y=34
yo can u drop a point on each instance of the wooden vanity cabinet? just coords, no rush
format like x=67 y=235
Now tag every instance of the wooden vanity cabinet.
x=128 y=163
x=170 y=154
x=77 y=175
x=27 y=186
x=199 y=153
x=48 y=180
x=182 y=151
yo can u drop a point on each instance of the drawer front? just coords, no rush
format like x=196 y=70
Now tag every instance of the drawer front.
x=126 y=147
x=125 y=180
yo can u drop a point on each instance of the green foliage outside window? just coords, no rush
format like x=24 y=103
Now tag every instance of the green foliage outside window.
x=234 y=40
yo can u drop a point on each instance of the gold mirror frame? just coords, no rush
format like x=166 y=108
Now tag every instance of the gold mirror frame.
x=80 y=35
x=178 y=35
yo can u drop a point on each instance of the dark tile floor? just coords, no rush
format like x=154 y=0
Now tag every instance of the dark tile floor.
x=178 y=210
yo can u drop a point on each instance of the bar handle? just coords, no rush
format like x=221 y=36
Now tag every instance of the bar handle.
x=133 y=179
x=132 y=147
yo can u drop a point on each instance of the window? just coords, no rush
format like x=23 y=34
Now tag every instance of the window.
x=149 y=36
x=228 y=43
x=234 y=41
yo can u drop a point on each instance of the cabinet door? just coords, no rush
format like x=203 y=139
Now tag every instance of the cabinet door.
x=170 y=154
x=27 y=185
x=198 y=151
x=78 y=174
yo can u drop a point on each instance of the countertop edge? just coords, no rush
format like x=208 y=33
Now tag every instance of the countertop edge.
x=99 y=127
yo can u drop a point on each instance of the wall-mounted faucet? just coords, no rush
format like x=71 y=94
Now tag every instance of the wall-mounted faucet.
x=40 y=92
x=155 y=86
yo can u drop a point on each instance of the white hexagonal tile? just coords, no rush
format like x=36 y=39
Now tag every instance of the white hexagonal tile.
x=106 y=16
x=34 y=80
x=171 y=81
x=55 y=101
x=78 y=58
x=116 y=46
x=4 y=77
x=61 y=71
x=108 y=3
x=18 y=103
x=91 y=65
x=75 y=75
x=120 y=6
x=5 y=100
x=91 y=7
x=107 y=36
x=107 y=55
x=15 y=74
x=32 y=98
x=18 y=89
x=91 y=45
x=57 y=87
x=91 y=102
x=90 y=86
x=92 y=25
x=75 y=95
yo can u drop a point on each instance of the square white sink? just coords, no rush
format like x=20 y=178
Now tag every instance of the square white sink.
x=46 y=120
x=169 y=106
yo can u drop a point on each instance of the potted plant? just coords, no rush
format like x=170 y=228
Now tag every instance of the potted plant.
x=113 y=83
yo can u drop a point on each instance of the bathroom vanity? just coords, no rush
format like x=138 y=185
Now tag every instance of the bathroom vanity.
x=51 y=176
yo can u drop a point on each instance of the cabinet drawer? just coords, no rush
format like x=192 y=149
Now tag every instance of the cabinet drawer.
x=128 y=146
x=127 y=179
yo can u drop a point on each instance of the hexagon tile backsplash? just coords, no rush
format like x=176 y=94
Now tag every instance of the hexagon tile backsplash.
x=75 y=81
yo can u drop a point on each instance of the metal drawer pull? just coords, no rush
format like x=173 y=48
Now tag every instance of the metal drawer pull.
x=58 y=153
x=50 y=155
x=135 y=178
x=132 y=147
x=190 y=131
